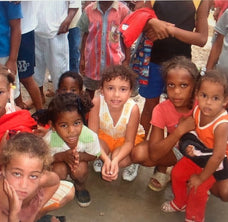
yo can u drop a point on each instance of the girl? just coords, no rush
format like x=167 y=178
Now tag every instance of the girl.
x=72 y=144
x=11 y=118
x=25 y=184
x=70 y=82
x=174 y=114
x=115 y=118
x=190 y=182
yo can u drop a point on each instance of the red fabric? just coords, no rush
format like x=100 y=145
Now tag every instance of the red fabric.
x=195 y=201
x=135 y=22
x=19 y=121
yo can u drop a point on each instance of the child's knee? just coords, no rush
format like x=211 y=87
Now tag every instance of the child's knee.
x=60 y=169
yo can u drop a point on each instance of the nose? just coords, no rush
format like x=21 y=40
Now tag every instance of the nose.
x=71 y=129
x=116 y=92
x=177 y=90
x=23 y=182
x=208 y=101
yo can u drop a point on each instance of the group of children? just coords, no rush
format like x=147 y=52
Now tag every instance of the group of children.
x=115 y=136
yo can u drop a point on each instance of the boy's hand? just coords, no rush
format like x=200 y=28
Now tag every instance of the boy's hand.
x=72 y=159
x=14 y=202
x=190 y=150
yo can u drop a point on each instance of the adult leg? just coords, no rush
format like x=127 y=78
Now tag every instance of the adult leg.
x=57 y=57
x=74 y=38
x=33 y=90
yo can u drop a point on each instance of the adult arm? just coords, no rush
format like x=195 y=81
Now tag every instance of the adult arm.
x=15 y=40
x=215 y=52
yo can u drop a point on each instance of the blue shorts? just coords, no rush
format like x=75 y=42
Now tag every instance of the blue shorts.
x=26 y=55
x=155 y=83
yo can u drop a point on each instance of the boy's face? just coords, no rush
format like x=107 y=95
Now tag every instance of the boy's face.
x=4 y=94
x=69 y=85
x=116 y=92
x=23 y=172
x=211 y=99
x=69 y=126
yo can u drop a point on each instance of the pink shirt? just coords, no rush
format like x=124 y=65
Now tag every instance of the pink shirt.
x=165 y=115
x=103 y=46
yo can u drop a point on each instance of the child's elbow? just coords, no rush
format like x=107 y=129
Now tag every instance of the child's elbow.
x=202 y=42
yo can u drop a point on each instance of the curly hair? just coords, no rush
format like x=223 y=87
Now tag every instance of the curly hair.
x=69 y=102
x=124 y=72
x=73 y=75
x=215 y=76
x=26 y=143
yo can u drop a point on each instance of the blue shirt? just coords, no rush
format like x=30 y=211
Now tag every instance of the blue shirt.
x=8 y=11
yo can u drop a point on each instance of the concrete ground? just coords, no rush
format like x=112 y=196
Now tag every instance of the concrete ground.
x=122 y=201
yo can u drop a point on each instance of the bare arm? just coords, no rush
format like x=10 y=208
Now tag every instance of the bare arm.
x=215 y=52
x=160 y=146
x=82 y=53
x=15 y=41
x=219 y=151
x=64 y=27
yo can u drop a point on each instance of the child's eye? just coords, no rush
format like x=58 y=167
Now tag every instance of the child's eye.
x=79 y=122
x=123 y=89
x=33 y=177
x=216 y=98
x=73 y=90
x=170 y=85
x=1 y=92
x=110 y=88
x=63 y=125
x=16 y=174
x=184 y=85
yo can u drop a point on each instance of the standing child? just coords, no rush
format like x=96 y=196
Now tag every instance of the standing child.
x=174 y=114
x=25 y=184
x=101 y=45
x=190 y=182
x=72 y=144
x=115 y=118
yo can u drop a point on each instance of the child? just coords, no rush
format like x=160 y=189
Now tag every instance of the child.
x=174 y=114
x=190 y=182
x=115 y=118
x=101 y=45
x=10 y=118
x=72 y=144
x=25 y=184
x=70 y=82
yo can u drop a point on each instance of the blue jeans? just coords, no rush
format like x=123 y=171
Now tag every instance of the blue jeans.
x=74 y=38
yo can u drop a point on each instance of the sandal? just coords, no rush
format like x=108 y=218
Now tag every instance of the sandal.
x=161 y=178
x=170 y=207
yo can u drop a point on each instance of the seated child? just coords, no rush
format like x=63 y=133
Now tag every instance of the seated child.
x=11 y=119
x=72 y=144
x=191 y=182
x=26 y=185
x=115 y=118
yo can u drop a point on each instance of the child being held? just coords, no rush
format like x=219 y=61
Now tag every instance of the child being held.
x=72 y=144
x=191 y=182
x=115 y=118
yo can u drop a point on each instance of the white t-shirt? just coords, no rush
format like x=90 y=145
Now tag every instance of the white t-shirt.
x=222 y=28
x=29 y=12
x=51 y=15
x=88 y=142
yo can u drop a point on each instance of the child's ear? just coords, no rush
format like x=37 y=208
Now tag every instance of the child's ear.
x=51 y=125
x=225 y=104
